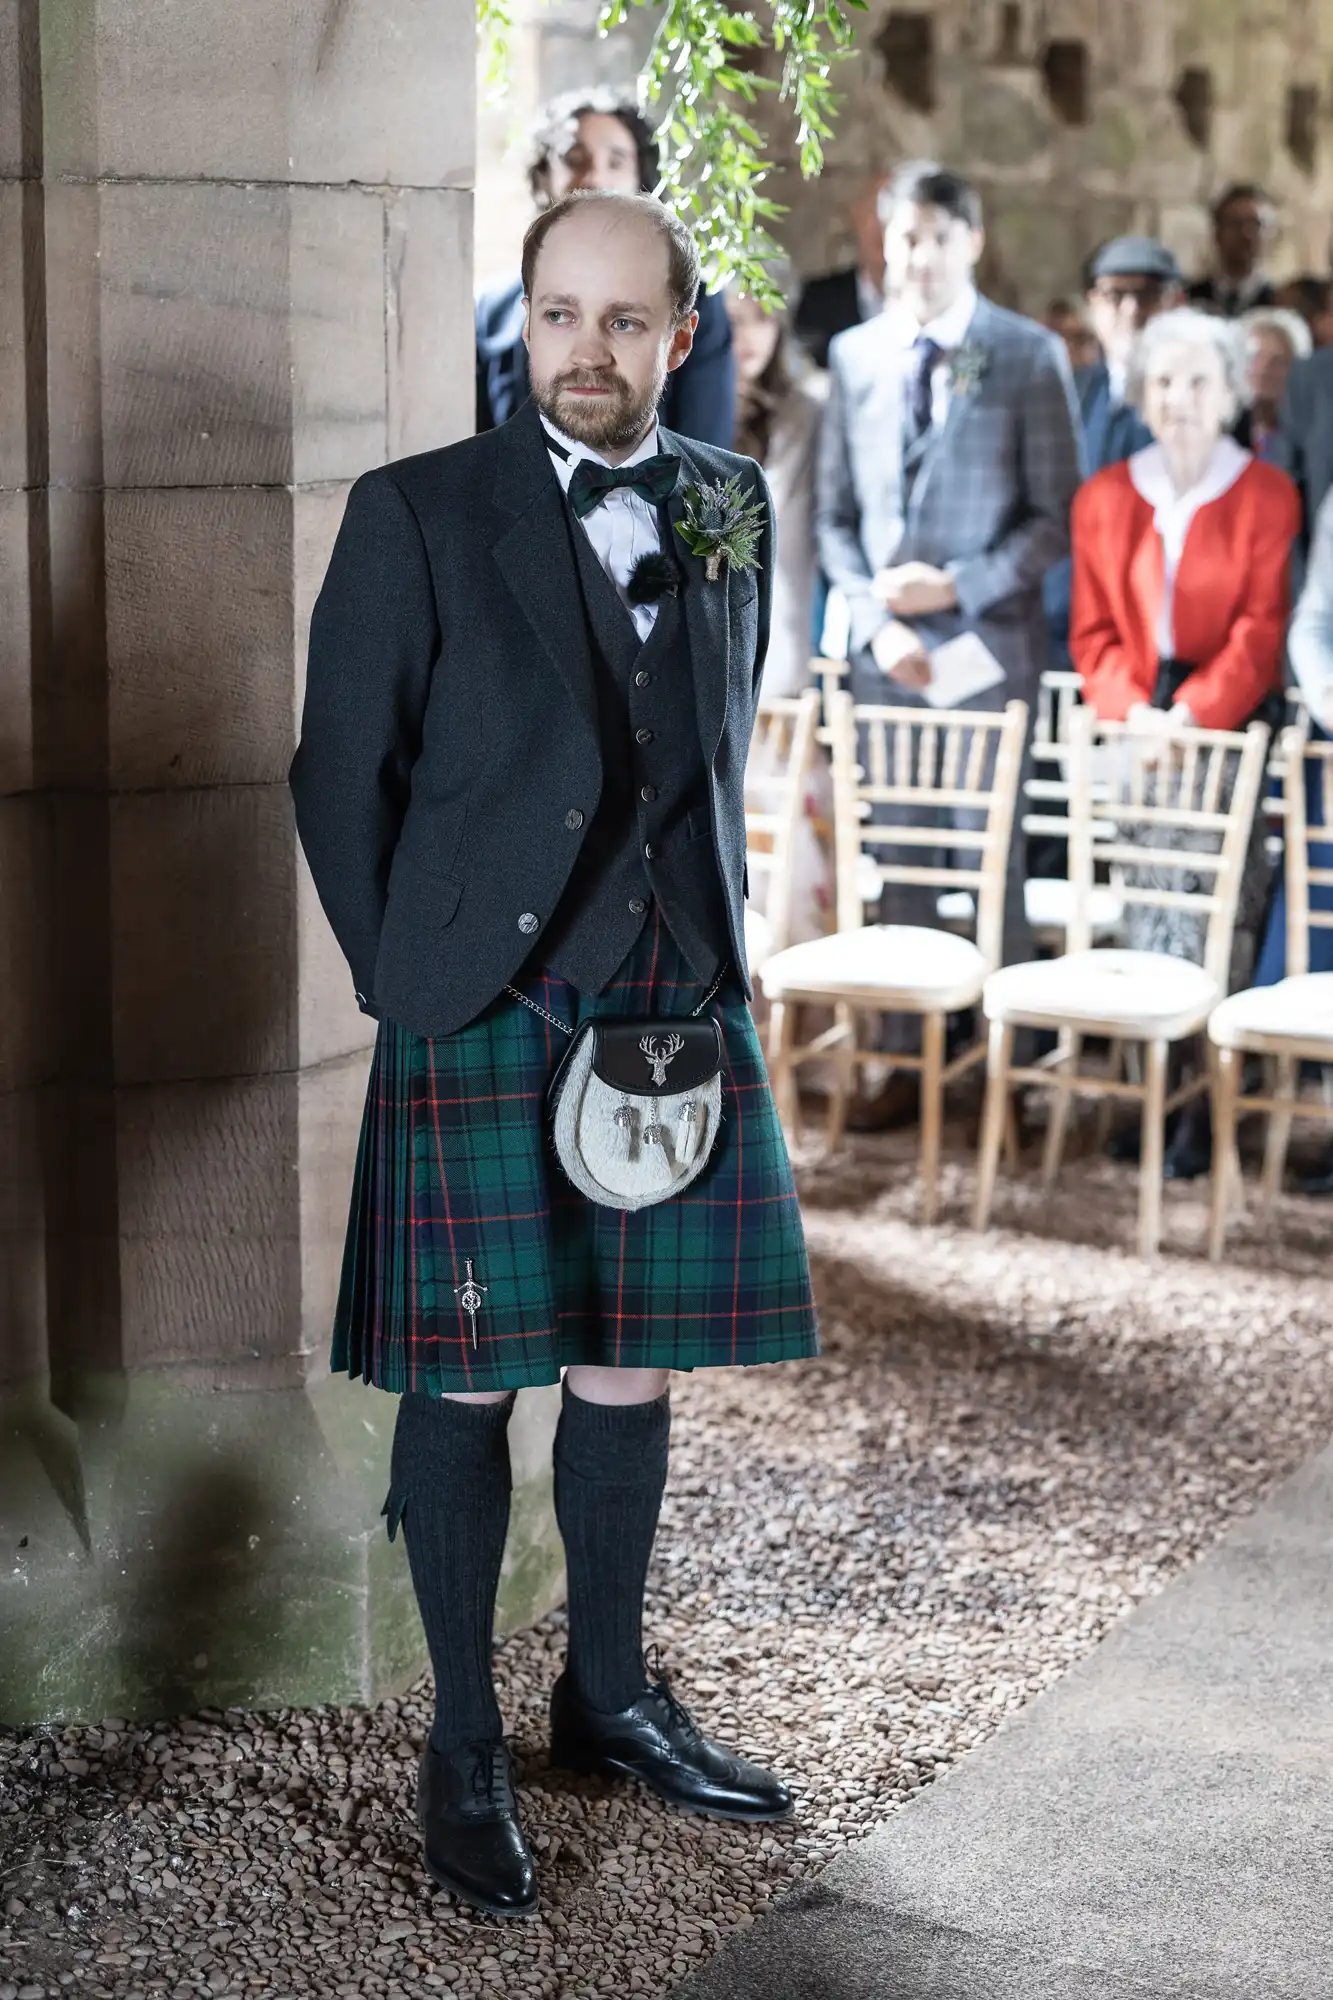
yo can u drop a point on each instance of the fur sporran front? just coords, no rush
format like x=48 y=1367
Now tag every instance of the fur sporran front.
x=636 y=1107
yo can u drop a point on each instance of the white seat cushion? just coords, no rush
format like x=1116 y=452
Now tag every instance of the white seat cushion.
x=758 y=938
x=1049 y=902
x=1164 y=997
x=1301 y=1008
x=887 y=965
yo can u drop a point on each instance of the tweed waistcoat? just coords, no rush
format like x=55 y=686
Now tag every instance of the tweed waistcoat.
x=651 y=836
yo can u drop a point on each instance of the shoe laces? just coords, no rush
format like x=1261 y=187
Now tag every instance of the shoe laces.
x=489 y=1777
x=654 y=1667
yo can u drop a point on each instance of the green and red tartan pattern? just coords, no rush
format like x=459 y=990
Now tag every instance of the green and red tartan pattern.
x=455 y=1162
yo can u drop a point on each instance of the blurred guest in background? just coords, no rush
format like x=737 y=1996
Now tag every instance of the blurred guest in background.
x=1180 y=606
x=779 y=403
x=1243 y=227
x=1069 y=319
x=829 y=305
x=948 y=460
x=596 y=139
x=1312 y=298
x=1303 y=446
x=1130 y=280
x=1310 y=650
x=1274 y=339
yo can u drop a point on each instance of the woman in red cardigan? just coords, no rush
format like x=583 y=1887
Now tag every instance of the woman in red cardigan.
x=1180 y=599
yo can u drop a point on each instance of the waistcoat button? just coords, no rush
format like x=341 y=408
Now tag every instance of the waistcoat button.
x=528 y=922
x=573 y=819
x=641 y=679
x=643 y=736
x=649 y=852
x=648 y=794
x=637 y=906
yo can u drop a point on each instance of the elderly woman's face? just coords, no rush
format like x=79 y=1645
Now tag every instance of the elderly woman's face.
x=1185 y=393
x=1268 y=359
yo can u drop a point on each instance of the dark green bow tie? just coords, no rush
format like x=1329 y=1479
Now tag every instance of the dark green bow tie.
x=653 y=479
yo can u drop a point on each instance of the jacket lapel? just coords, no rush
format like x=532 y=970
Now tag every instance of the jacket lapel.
x=707 y=610
x=536 y=559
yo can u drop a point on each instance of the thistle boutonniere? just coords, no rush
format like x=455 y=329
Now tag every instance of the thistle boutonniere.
x=723 y=525
x=967 y=366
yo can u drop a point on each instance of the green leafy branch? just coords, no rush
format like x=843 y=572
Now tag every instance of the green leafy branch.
x=698 y=91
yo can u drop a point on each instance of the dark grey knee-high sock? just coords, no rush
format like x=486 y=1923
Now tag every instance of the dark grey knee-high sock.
x=450 y=1485
x=610 y=1472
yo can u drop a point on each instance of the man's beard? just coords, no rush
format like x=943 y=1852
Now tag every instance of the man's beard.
x=611 y=423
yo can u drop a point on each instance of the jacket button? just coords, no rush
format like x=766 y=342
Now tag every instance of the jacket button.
x=529 y=922
x=642 y=679
x=649 y=851
x=643 y=736
x=648 y=794
x=573 y=819
x=360 y=999
x=637 y=906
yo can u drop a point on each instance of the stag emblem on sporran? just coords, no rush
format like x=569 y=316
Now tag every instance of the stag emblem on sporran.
x=660 y=1051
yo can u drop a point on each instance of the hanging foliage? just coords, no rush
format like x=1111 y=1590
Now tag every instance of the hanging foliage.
x=698 y=90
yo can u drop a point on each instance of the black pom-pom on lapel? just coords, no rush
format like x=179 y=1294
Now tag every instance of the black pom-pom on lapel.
x=653 y=576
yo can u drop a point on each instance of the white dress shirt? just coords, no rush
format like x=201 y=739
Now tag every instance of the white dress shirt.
x=621 y=528
x=1173 y=512
x=949 y=331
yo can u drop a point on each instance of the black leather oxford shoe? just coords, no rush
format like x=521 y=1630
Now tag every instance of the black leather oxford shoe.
x=656 y=1741
x=468 y=1817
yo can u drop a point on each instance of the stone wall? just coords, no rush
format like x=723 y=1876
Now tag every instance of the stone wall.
x=1078 y=119
x=237 y=272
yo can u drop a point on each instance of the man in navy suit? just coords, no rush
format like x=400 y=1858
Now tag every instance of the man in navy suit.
x=592 y=139
x=1130 y=280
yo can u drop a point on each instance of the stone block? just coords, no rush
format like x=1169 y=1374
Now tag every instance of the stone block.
x=209 y=1227
x=18 y=243
x=330 y=1099
x=72 y=217
x=338 y=331
x=431 y=365
x=22 y=1240
x=330 y=1025
x=203 y=928
x=317 y=513
x=24 y=1040
x=242 y=334
x=261 y=91
x=199 y=636
x=15 y=77
x=16 y=556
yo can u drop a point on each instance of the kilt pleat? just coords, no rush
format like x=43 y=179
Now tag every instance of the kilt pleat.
x=455 y=1168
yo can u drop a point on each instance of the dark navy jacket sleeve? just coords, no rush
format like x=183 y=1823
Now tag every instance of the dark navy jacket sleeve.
x=374 y=639
x=700 y=399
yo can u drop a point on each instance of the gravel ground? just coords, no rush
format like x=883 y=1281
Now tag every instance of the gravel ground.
x=865 y=1562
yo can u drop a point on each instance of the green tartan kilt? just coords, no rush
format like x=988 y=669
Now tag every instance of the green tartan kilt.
x=455 y=1163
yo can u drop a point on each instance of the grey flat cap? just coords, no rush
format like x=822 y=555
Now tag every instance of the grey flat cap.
x=1135 y=257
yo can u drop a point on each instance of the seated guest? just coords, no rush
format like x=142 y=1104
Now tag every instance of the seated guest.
x=1130 y=280
x=1303 y=445
x=1180 y=605
x=1242 y=231
x=779 y=402
x=1069 y=319
x=829 y=305
x=1310 y=651
x=594 y=139
x=1274 y=339
x=1312 y=298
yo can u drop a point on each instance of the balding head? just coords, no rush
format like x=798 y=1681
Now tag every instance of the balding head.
x=610 y=282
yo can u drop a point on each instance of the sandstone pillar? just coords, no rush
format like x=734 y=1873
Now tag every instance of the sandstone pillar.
x=236 y=259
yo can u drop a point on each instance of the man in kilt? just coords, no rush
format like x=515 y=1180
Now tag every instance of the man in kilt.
x=519 y=788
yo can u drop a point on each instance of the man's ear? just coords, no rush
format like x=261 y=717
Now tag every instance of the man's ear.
x=682 y=340
x=527 y=322
x=978 y=243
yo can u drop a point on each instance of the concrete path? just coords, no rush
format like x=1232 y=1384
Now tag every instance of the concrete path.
x=1158 y=1823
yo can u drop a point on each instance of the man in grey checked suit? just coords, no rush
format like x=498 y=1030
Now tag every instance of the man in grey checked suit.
x=949 y=460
